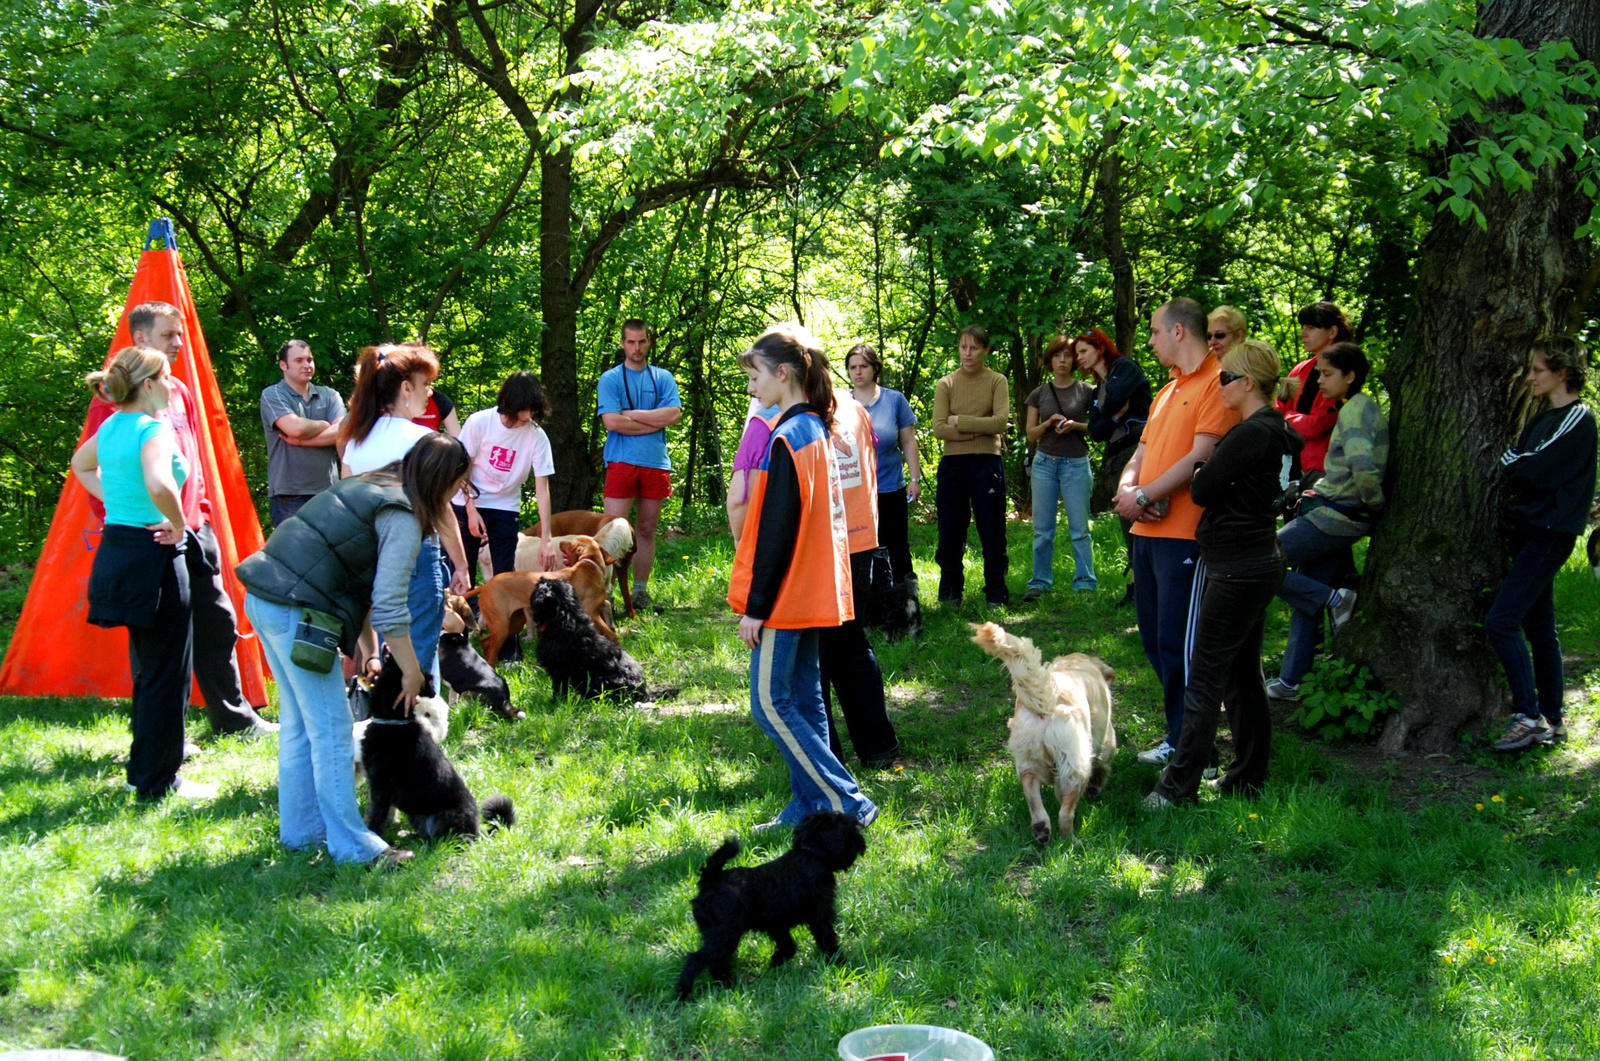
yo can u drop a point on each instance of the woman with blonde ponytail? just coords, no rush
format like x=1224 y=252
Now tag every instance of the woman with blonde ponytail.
x=140 y=579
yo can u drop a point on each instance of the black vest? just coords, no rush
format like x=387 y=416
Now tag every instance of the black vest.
x=326 y=556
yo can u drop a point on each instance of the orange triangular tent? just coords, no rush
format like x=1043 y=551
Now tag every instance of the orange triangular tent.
x=55 y=652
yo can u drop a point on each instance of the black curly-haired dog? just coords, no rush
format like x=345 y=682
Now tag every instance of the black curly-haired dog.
x=407 y=771
x=796 y=888
x=469 y=674
x=574 y=653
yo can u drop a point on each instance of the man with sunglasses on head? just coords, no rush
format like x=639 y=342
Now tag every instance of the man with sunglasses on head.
x=1186 y=420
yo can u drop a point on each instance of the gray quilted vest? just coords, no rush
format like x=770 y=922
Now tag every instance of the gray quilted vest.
x=326 y=556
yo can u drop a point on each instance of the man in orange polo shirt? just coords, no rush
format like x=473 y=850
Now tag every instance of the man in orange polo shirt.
x=1187 y=419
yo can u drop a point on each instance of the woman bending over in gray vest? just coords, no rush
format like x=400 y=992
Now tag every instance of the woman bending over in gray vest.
x=348 y=552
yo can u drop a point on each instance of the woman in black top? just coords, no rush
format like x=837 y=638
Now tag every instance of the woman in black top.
x=1549 y=488
x=1117 y=418
x=1240 y=487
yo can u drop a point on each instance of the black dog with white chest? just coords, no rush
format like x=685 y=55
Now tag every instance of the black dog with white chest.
x=469 y=674
x=407 y=771
x=797 y=888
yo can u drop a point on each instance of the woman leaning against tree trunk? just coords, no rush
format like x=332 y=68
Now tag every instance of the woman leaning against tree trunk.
x=1549 y=488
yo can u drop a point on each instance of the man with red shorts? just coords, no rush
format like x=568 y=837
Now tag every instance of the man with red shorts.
x=638 y=402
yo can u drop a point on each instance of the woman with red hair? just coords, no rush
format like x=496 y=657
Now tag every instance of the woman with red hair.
x=1117 y=418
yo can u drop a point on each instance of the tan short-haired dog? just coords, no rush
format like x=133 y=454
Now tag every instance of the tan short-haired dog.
x=1061 y=731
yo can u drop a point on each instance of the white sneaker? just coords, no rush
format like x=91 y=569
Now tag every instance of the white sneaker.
x=1156 y=801
x=183 y=788
x=1158 y=755
x=1342 y=607
x=1278 y=689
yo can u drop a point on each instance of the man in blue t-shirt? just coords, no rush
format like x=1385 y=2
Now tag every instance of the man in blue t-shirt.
x=638 y=402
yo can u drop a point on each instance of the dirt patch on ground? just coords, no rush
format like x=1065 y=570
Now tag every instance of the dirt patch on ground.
x=1413 y=780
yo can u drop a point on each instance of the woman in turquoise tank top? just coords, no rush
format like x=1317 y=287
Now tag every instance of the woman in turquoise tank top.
x=139 y=579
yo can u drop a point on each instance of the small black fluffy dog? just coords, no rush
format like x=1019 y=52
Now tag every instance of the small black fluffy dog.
x=407 y=771
x=468 y=673
x=574 y=653
x=894 y=609
x=796 y=888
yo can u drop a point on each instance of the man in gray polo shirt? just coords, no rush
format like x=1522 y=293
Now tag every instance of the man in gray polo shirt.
x=301 y=421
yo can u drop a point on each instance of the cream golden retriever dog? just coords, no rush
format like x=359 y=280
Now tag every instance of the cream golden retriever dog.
x=1061 y=732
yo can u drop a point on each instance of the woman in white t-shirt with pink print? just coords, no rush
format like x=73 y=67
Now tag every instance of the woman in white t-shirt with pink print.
x=507 y=445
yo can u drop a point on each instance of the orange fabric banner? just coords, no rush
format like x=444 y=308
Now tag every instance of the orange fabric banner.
x=55 y=652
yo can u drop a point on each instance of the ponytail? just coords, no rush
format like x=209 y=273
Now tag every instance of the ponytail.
x=379 y=372
x=120 y=380
x=791 y=344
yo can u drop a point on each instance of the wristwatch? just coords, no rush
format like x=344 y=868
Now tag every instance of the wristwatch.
x=1141 y=499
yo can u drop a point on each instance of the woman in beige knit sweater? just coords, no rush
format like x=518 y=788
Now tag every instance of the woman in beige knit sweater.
x=970 y=409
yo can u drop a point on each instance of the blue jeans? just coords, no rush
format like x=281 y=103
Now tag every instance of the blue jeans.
x=425 y=601
x=1526 y=605
x=1314 y=558
x=316 y=764
x=1168 y=579
x=786 y=700
x=1069 y=479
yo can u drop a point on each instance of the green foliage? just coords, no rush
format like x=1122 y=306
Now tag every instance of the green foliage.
x=1339 y=700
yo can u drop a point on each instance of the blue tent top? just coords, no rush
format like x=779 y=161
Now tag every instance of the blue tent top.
x=161 y=232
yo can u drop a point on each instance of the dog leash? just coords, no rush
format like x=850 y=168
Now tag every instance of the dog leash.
x=391 y=721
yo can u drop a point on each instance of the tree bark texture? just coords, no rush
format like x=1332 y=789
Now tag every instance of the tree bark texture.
x=1108 y=187
x=1457 y=400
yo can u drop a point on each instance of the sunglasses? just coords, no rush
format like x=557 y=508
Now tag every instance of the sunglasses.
x=1226 y=377
x=1217 y=335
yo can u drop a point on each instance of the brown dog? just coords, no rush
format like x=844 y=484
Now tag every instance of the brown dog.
x=614 y=534
x=503 y=600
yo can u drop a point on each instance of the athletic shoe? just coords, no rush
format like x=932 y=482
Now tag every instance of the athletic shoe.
x=1557 y=734
x=1211 y=773
x=183 y=789
x=1278 y=689
x=1342 y=607
x=1033 y=594
x=1157 y=756
x=190 y=750
x=1156 y=801
x=641 y=599
x=1524 y=732
x=393 y=858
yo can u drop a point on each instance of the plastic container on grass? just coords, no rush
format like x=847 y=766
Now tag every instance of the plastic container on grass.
x=912 y=1042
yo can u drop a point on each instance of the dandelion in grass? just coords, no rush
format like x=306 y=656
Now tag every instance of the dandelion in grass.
x=1507 y=836
x=1241 y=829
x=1489 y=958
x=1448 y=960
x=1496 y=798
x=1254 y=816
x=1571 y=870
x=1477 y=806
x=1471 y=943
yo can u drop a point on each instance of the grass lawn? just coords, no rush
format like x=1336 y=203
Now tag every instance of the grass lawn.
x=1361 y=908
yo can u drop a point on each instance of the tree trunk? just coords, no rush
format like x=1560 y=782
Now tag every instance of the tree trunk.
x=1482 y=297
x=572 y=486
x=1123 y=291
